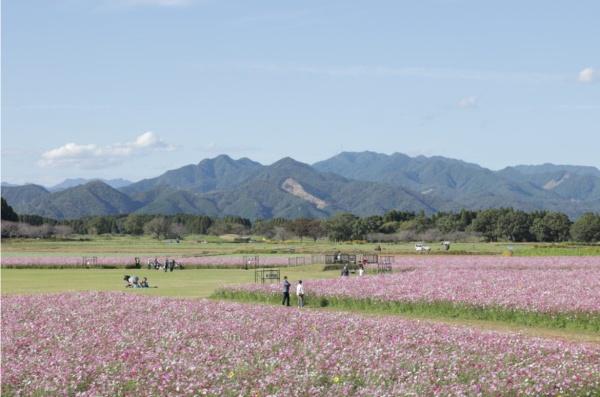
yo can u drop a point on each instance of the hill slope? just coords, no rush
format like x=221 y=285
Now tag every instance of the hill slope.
x=93 y=198
x=72 y=182
x=210 y=174
x=467 y=185
x=364 y=183
x=290 y=189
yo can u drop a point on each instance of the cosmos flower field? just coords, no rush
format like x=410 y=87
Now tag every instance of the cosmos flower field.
x=409 y=262
x=127 y=344
x=531 y=289
x=554 y=292
x=111 y=344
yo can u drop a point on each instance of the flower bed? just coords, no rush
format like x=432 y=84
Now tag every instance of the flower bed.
x=552 y=297
x=504 y=262
x=107 y=344
x=530 y=289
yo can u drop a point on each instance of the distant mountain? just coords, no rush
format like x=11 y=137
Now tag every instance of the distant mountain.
x=364 y=183
x=93 y=198
x=292 y=189
x=72 y=182
x=286 y=188
x=548 y=168
x=211 y=174
x=567 y=182
x=26 y=199
x=466 y=185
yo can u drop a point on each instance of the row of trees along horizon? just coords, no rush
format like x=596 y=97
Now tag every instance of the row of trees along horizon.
x=499 y=224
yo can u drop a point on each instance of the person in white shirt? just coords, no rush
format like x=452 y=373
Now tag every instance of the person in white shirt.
x=300 y=293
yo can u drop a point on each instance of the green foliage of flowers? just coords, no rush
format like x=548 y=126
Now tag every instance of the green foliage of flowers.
x=439 y=309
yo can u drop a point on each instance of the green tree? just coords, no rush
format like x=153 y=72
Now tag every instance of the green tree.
x=300 y=227
x=373 y=223
x=316 y=229
x=552 y=227
x=465 y=217
x=485 y=223
x=389 y=227
x=99 y=225
x=158 y=227
x=199 y=224
x=134 y=224
x=398 y=216
x=514 y=225
x=8 y=214
x=586 y=228
x=447 y=223
x=340 y=227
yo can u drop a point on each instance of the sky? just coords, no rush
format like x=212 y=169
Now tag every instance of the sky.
x=132 y=88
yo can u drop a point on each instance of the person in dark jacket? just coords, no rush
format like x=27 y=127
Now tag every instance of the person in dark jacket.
x=286 y=291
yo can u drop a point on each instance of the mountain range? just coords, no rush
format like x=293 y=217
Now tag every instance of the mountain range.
x=73 y=182
x=364 y=183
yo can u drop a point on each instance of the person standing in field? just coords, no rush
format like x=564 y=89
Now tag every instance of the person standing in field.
x=300 y=293
x=345 y=271
x=286 y=291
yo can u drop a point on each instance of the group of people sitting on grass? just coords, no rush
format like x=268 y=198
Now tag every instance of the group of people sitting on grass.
x=135 y=282
x=168 y=265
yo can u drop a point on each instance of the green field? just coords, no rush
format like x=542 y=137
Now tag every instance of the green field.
x=196 y=283
x=107 y=245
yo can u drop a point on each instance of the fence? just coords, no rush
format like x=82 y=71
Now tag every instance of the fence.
x=267 y=275
x=250 y=262
x=384 y=265
x=346 y=259
x=89 y=260
x=370 y=258
x=296 y=261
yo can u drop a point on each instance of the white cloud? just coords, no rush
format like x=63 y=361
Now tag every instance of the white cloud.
x=468 y=102
x=587 y=75
x=92 y=156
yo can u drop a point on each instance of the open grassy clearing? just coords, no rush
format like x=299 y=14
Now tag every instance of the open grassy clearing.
x=107 y=245
x=196 y=283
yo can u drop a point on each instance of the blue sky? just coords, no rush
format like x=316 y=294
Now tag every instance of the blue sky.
x=131 y=88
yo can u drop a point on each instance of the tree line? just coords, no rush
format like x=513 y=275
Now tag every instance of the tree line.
x=500 y=224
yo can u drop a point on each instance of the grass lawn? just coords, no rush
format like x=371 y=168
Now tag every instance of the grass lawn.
x=197 y=283
x=107 y=245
